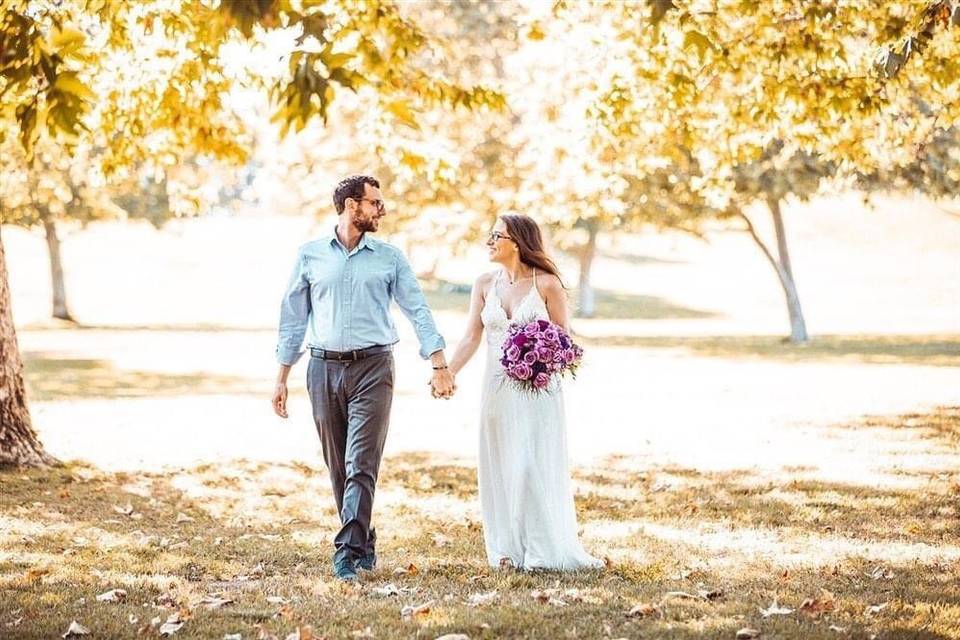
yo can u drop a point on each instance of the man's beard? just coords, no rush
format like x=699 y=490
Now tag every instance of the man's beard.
x=364 y=224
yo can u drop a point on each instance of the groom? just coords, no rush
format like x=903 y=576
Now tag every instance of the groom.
x=339 y=298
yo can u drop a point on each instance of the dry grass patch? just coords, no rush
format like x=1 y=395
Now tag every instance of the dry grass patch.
x=244 y=548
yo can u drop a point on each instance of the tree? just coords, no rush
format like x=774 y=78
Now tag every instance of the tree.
x=18 y=441
x=146 y=82
x=770 y=97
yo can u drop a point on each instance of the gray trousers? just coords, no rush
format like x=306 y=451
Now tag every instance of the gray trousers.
x=351 y=408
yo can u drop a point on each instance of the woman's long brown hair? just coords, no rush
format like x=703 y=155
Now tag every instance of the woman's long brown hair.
x=526 y=233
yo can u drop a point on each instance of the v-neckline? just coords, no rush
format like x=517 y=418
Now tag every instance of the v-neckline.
x=496 y=294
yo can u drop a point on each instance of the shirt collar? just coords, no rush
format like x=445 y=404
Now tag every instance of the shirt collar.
x=366 y=242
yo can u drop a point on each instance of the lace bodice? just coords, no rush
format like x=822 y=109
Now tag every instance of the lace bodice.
x=494 y=316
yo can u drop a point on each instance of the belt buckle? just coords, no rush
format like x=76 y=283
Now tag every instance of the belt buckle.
x=353 y=352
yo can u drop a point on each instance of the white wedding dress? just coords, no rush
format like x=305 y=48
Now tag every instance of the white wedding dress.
x=524 y=477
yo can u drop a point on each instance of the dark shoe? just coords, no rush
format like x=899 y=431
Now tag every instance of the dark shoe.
x=345 y=570
x=367 y=562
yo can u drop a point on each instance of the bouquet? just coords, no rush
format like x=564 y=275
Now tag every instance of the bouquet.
x=536 y=353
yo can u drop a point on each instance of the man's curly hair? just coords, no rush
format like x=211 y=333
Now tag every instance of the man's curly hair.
x=352 y=187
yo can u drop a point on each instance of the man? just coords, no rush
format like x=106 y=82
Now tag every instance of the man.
x=339 y=297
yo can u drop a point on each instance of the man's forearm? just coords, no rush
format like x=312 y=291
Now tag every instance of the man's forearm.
x=284 y=372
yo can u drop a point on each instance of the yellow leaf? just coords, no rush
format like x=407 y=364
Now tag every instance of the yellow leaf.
x=69 y=83
x=68 y=38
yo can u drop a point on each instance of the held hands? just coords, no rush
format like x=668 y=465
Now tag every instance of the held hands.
x=280 y=399
x=442 y=385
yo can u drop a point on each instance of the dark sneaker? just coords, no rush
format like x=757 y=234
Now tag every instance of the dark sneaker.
x=367 y=562
x=345 y=570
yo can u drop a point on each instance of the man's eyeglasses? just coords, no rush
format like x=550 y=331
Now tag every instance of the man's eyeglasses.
x=380 y=205
x=496 y=235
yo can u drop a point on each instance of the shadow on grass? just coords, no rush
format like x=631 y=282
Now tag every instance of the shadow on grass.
x=934 y=350
x=610 y=305
x=49 y=377
x=705 y=550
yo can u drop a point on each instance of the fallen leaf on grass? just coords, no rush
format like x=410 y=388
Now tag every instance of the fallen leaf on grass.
x=681 y=594
x=286 y=611
x=644 y=610
x=34 y=574
x=182 y=517
x=440 y=540
x=232 y=636
x=479 y=599
x=748 y=634
x=75 y=629
x=411 y=611
x=215 y=601
x=304 y=632
x=386 y=590
x=277 y=600
x=114 y=595
x=875 y=608
x=173 y=623
x=125 y=510
x=880 y=572
x=409 y=570
x=815 y=606
x=454 y=636
x=834 y=627
x=775 y=610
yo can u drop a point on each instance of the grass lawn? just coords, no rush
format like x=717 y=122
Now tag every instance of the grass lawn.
x=244 y=548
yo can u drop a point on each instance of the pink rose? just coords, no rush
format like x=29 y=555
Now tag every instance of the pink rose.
x=522 y=371
x=530 y=357
x=513 y=353
x=541 y=380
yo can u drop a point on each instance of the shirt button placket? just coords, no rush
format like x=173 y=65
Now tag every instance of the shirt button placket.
x=348 y=315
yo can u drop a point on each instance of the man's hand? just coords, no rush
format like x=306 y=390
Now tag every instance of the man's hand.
x=280 y=399
x=442 y=385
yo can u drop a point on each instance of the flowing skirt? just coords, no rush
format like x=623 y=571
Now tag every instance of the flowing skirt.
x=524 y=476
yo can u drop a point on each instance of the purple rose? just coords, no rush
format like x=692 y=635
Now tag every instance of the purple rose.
x=531 y=329
x=551 y=335
x=542 y=324
x=541 y=380
x=520 y=340
x=569 y=355
x=522 y=371
x=544 y=354
x=565 y=342
x=513 y=353
x=530 y=357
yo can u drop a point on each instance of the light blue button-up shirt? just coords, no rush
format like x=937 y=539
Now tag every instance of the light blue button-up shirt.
x=342 y=298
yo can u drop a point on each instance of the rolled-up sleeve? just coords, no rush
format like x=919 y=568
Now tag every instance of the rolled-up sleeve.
x=410 y=299
x=294 y=315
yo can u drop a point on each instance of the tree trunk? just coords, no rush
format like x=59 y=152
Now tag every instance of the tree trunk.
x=798 y=326
x=19 y=445
x=60 y=309
x=587 y=303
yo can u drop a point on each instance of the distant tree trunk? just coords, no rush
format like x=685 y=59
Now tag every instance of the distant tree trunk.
x=587 y=303
x=798 y=326
x=19 y=445
x=60 y=309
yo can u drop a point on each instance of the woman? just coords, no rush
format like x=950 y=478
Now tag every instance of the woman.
x=529 y=520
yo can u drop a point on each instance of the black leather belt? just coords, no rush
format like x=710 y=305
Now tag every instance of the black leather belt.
x=355 y=354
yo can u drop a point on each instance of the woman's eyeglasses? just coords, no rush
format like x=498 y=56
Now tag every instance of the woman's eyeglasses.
x=496 y=235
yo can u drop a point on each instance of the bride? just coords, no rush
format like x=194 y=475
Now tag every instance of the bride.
x=529 y=521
